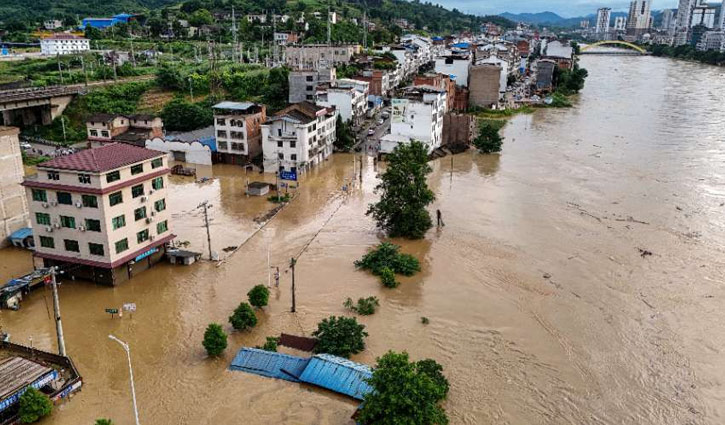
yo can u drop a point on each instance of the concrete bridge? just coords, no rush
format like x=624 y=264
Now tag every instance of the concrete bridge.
x=37 y=105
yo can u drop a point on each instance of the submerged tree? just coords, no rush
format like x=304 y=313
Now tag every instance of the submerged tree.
x=340 y=336
x=401 y=211
x=243 y=317
x=215 y=340
x=488 y=139
x=33 y=406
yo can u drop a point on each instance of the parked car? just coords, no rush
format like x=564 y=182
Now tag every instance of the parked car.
x=381 y=121
x=371 y=132
x=25 y=145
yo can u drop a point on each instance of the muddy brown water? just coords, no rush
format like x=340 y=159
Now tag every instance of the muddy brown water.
x=610 y=337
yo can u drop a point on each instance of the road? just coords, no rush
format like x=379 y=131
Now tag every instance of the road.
x=363 y=140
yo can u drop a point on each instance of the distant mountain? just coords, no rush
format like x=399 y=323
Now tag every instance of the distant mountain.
x=554 y=20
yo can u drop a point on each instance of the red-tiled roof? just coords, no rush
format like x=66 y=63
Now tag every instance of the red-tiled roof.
x=63 y=36
x=101 y=159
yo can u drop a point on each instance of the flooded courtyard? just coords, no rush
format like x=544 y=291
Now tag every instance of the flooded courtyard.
x=542 y=308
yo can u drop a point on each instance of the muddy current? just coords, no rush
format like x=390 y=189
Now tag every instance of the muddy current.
x=545 y=306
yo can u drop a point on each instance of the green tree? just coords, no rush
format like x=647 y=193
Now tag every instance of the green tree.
x=184 y=116
x=33 y=406
x=345 y=139
x=387 y=278
x=243 y=317
x=404 y=393
x=215 y=340
x=488 y=139
x=401 y=210
x=104 y=422
x=340 y=336
x=258 y=296
x=201 y=17
x=270 y=344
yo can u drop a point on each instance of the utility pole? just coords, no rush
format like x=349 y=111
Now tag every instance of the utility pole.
x=60 y=71
x=85 y=74
x=62 y=124
x=234 y=33
x=133 y=55
x=56 y=312
x=206 y=205
x=191 y=90
x=292 y=264
x=365 y=29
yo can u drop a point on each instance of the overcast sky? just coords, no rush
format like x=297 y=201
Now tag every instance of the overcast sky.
x=565 y=8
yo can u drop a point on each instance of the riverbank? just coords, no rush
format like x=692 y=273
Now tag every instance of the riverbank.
x=688 y=53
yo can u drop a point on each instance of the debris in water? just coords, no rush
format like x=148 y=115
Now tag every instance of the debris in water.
x=229 y=248
x=678 y=208
x=644 y=252
x=547 y=275
x=424 y=320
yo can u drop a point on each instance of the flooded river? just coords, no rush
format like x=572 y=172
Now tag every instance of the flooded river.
x=542 y=309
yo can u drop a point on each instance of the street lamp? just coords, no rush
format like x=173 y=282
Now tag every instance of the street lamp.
x=130 y=370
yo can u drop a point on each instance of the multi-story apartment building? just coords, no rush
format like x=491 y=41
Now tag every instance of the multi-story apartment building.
x=485 y=83
x=639 y=19
x=705 y=15
x=456 y=66
x=303 y=83
x=238 y=130
x=603 y=18
x=13 y=205
x=668 y=20
x=349 y=97
x=103 y=210
x=314 y=56
x=620 y=23
x=63 y=44
x=417 y=115
x=298 y=137
x=683 y=19
x=441 y=81
x=133 y=129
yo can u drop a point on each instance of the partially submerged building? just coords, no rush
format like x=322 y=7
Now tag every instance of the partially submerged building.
x=416 y=115
x=238 y=129
x=13 y=204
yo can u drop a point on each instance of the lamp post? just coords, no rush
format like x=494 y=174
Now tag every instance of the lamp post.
x=130 y=370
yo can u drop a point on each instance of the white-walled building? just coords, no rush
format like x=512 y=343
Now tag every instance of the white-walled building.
x=456 y=66
x=505 y=69
x=103 y=210
x=64 y=44
x=417 y=115
x=603 y=18
x=298 y=137
x=349 y=97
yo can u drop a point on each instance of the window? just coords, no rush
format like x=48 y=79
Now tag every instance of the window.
x=121 y=245
x=221 y=121
x=84 y=178
x=136 y=169
x=47 y=242
x=53 y=175
x=142 y=236
x=64 y=198
x=137 y=191
x=237 y=135
x=156 y=163
x=89 y=201
x=94 y=133
x=309 y=88
x=221 y=133
x=95 y=248
x=69 y=222
x=139 y=213
x=293 y=144
x=309 y=78
x=161 y=227
x=280 y=156
x=93 y=225
x=222 y=145
x=157 y=183
x=118 y=222
x=115 y=198
x=104 y=133
x=113 y=176
x=42 y=218
x=279 y=144
x=160 y=205
x=308 y=97
x=294 y=157
x=39 y=195
x=71 y=245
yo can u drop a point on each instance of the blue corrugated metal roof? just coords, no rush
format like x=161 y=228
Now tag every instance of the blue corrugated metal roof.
x=21 y=234
x=338 y=374
x=269 y=363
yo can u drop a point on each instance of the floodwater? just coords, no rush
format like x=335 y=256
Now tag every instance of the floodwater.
x=607 y=337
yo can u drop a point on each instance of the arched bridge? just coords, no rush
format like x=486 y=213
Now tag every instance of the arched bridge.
x=632 y=49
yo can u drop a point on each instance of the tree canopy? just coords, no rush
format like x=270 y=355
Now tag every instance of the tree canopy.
x=215 y=340
x=340 y=336
x=33 y=406
x=401 y=210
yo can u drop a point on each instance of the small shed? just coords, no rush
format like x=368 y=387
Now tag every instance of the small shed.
x=269 y=363
x=338 y=374
x=180 y=256
x=22 y=238
x=258 y=188
x=302 y=343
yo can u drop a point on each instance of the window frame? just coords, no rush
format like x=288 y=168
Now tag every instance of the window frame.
x=66 y=242
x=45 y=217
x=161 y=202
x=58 y=196
x=165 y=224
x=142 y=236
x=112 y=196
x=113 y=176
x=134 y=194
x=44 y=242
x=67 y=222
x=91 y=247
x=96 y=224
x=125 y=248
x=136 y=216
x=86 y=200
x=39 y=195
x=115 y=220
x=136 y=169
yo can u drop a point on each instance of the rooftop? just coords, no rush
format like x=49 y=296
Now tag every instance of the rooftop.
x=236 y=106
x=102 y=159
x=63 y=36
x=101 y=117
x=304 y=112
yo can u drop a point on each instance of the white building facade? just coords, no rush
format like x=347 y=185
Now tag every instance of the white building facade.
x=603 y=18
x=417 y=115
x=348 y=96
x=64 y=44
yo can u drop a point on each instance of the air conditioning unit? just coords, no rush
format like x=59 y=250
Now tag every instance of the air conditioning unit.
x=49 y=229
x=153 y=213
x=53 y=203
x=57 y=225
x=45 y=205
x=149 y=219
x=79 y=204
x=152 y=237
x=151 y=192
x=144 y=199
x=82 y=228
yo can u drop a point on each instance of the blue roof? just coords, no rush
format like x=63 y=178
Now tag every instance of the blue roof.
x=437 y=38
x=269 y=363
x=123 y=15
x=461 y=45
x=21 y=233
x=338 y=374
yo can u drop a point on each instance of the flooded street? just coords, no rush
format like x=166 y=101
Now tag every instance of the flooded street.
x=609 y=336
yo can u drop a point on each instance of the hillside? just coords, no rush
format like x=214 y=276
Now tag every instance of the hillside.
x=19 y=15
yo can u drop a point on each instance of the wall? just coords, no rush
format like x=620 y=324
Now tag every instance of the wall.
x=196 y=153
x=13 y=204
x=458 y=68
x=458 y=129
x=484 y=83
